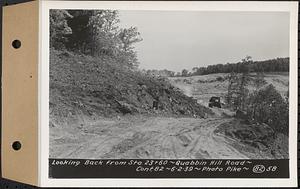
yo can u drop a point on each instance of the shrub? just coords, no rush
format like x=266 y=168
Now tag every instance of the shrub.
x=220 y=78
x=268 y=106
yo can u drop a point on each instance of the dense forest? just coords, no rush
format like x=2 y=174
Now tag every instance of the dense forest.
x=94 y=32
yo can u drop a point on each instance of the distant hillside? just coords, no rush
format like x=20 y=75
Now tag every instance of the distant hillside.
x=266 y=66
x=205 y=86
x=83 y=87
x=273 y=65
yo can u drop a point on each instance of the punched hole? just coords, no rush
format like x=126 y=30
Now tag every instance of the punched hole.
x=16 y=44
x=16 y=145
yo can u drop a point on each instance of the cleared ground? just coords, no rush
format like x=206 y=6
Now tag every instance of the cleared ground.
x=157 y=136
x=152 y=137
x=205 y=86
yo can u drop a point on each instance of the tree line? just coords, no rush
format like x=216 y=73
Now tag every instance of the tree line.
x=273 y=65
x=95 y=33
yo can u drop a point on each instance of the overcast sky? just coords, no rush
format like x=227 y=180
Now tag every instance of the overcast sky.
x=175 y=40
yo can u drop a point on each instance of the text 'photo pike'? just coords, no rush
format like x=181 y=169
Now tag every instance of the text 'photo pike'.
x=146 y=84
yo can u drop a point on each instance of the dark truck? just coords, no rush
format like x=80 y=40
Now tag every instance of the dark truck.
x=214 y=102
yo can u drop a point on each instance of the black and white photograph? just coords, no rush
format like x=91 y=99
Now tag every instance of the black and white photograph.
x=146 y=84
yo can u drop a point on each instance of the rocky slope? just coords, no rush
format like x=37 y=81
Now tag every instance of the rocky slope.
x=84 y=87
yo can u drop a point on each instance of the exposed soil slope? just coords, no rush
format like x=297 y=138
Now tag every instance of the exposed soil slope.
x=85 y=87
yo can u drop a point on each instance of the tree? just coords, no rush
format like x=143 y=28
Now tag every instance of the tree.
x=171 y=74
x=237 y=87
x=267 y=106
x=59 y=29
x=178 y=74
x=96 y=33
x=184 y=73
x=129 y=36
x=81 y=38
x=287 y=97
x=242 y=91
x=243 y=82
x=259 y=80
x=128 y=59
x=232 y=89
x=195 y=69
x=104 y=30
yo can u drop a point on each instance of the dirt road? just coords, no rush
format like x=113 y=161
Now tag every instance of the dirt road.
x=144 y=137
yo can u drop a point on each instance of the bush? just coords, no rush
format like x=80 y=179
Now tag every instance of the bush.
x=220 y=78
x=268 y=106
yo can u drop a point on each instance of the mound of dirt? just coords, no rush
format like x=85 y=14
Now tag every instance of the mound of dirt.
x=83 y=87
x=254 y=139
